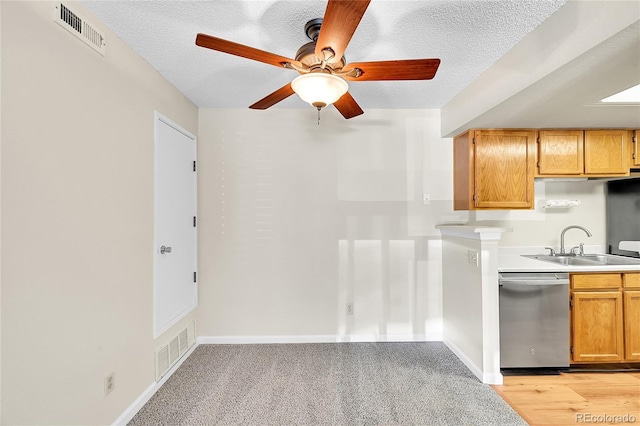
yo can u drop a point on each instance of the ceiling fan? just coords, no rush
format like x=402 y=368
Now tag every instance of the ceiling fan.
x=323 y=69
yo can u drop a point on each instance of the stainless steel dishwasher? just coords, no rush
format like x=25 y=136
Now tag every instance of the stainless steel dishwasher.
x=534 y=320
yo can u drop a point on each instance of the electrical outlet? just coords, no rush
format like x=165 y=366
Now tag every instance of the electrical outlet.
x=426 y=199
x=349 y=308
x=109 y=383
x=473 y=258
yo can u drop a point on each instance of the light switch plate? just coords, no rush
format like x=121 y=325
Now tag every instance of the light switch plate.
x=473 y=257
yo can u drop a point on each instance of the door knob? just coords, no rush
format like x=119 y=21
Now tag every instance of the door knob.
x=164 y=250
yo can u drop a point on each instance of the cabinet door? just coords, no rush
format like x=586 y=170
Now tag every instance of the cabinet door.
x=631 y=280
x=560 y=152
x=597 y=326
x=504 y=169
x=632 y=325
x=596 y=281
x=606 y=152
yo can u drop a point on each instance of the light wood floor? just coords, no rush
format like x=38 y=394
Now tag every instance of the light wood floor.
x=569 y=398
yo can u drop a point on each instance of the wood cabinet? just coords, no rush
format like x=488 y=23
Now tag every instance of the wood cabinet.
x=561 y=152
x=583 y=152
x=597 y=326
x=631 y=309
x=494 y=169
x=605 y=317
x=606 y=152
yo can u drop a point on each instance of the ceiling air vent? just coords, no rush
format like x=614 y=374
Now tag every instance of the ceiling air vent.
x=79 y=27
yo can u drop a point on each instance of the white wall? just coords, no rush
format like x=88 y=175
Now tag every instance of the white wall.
x=299 y=219
x=77 y=219
x=542 y=227
x=462 y=299
x=470 y=298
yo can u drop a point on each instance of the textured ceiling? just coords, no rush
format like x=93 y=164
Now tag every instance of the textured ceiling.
x=468 y=36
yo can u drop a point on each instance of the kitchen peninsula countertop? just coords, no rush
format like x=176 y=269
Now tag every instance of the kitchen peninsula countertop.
x=510 y=260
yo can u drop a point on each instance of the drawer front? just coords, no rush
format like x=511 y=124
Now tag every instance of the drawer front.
x=631 y=280
x=593 y=281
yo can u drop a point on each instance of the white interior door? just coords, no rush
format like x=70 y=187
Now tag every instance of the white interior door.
x=175 y=260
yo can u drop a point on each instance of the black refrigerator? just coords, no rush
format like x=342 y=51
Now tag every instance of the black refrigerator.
x=623 y=217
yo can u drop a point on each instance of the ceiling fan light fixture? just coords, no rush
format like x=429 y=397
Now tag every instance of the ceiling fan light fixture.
x=319 y=88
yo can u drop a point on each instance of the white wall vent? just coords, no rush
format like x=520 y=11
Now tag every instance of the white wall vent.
x=169 y=354
x=79 y=27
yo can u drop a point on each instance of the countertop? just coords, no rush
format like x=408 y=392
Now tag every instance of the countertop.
x=510 y=260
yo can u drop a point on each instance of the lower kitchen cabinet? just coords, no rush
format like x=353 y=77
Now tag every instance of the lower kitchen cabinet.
x=597 y=326
x=631 y=307
x=605 y=318
x=632 y=325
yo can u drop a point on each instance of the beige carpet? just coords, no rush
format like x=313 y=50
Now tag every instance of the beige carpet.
x=325 y=384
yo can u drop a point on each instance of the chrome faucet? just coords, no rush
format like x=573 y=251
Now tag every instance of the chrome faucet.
x=565 y=230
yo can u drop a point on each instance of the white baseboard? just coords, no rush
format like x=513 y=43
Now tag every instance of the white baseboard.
x=318 y=338
x=487 y=378
x=131 y=411
x=477 y=371
x=493 y=378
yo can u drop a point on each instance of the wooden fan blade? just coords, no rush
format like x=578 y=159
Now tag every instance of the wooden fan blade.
x=282 y=93
x=241 y=50
x=341 y=18
x=348 y=106
x=409 y=69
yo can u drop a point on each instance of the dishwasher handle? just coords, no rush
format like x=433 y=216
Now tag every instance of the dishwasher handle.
x=529 y=282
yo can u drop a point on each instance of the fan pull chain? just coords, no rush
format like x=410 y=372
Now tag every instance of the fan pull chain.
x=318 y=116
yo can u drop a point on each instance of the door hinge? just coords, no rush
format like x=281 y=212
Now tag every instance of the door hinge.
x=194 y=165
x=195 y=277
x=571 y=302
x=194 y=221
x=538 y=140
x=473 y=141
x=571 y=349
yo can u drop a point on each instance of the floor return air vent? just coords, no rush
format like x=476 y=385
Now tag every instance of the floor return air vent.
x=169 y=354
x=79 y=27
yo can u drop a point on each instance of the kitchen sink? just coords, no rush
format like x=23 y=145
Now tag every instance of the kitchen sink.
x=585 y=260
x=610 y=259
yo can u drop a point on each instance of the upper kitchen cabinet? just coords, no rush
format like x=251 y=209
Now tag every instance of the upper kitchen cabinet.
x=635 y=149
x=494 y=169
x=597 y=153
x=561 y=152
x=606 y=152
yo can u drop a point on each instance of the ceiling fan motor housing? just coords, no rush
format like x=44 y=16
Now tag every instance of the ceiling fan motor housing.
x=307 y=55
